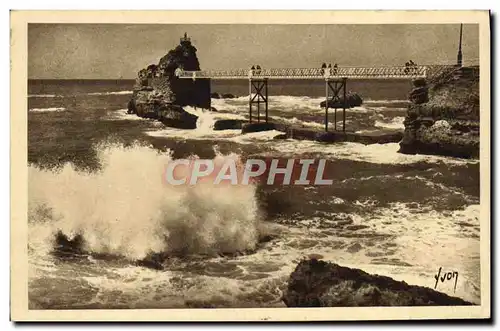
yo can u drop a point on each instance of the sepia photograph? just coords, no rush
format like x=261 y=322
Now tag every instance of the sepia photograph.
x=167 y=165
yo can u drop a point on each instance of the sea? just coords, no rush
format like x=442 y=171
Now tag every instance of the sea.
x=96 y=171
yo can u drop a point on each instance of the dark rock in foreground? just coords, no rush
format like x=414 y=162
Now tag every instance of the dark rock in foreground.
x=316 y=283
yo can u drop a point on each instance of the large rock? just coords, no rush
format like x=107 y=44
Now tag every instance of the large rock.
x=228 y=124
x=175 y=116
x=257 y=127
x=316 y=283
x=353 y=100
x=443 y=118
x=158 y=89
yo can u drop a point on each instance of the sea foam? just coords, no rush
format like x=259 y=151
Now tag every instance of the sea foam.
x=127 y=209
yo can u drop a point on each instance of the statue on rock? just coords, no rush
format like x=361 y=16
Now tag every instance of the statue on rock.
x=158 y=88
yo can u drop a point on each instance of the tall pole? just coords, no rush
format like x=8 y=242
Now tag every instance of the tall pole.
x=259 y=87
x=266 y=100
x=250 y=100
x=459 y=55
x=344 y=105
x=326 y=106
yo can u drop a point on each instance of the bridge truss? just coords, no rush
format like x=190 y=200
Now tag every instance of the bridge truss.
x=335 y=80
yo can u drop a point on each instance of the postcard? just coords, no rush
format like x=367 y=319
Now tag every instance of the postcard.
x=250 y=165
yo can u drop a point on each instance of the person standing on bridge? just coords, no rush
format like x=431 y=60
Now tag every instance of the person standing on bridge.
x=323 y=67
x=407 y=68
x=335 y=68
x=413 y=66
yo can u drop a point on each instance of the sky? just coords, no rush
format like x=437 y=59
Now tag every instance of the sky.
x=119 y=51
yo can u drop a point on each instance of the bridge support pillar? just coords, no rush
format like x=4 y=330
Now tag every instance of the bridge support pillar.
x=336 y=87
x=258 y=87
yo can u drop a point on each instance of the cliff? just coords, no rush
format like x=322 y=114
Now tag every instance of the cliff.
x=159 y=94
x=443 y=118
x=316 y=283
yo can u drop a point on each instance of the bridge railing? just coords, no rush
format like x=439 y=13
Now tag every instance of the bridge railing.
x=414 y=71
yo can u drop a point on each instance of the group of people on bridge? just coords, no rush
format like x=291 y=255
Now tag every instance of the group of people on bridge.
x=410 y=67
x=333 y=71
x=256 y=69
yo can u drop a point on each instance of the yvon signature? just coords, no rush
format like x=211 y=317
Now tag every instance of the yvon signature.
x=446 y=276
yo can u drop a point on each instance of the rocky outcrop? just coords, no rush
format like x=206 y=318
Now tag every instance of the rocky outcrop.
x=160 y=94
x=175 y=116
x=353 y=100
x=443 y=117
x=316 y=283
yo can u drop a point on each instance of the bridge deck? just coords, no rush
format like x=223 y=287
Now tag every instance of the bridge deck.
x=392 y=72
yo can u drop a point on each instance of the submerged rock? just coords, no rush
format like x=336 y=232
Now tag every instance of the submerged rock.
x=353 y=100
x=257 y=127
x=316 y=283
x=228 y=124
x=216 y=95
x=175 y=116
x=443 y=118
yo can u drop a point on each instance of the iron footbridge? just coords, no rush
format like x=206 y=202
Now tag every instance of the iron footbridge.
x=335 y=80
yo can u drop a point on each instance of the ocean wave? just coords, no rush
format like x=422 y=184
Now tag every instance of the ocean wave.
x=51 y=109
x=394 y=123
x=204 y=126
x=276 y=102
x=414 y=228
x=296 y=122
x=374 y=153
x=127 y=211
